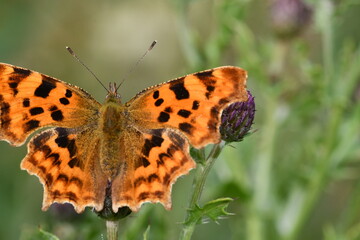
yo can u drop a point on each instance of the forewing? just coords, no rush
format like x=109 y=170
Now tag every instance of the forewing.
x=30 y=100
x=192 y=104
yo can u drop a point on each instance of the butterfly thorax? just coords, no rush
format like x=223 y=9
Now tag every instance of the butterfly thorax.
x=111 y=127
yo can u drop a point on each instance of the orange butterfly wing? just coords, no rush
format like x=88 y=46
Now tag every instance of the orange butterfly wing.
x=163 y=120
x=192 y=104
x=66 y=161
x=30 y=100
x=154 y=160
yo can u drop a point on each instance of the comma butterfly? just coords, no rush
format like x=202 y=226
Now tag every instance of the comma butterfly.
x=137 y=149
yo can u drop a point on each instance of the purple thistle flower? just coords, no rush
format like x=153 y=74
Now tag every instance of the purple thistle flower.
x=289 y=17
x=237 y=119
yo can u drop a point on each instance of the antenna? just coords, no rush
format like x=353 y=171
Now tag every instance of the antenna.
x=78 y=59
x=137 y=63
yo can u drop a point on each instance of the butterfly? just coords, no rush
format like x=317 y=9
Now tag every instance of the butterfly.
x=136 y=149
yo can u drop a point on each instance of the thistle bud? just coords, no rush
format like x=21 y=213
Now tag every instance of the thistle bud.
x=236 y=120
x=289 y=17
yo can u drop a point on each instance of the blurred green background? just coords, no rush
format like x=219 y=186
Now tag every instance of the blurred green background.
x=296 y=177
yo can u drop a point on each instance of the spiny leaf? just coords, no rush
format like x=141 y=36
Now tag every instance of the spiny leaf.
x=215 y=210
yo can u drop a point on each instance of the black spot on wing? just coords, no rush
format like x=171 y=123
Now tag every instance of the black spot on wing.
x=156 y=94
x=76 y=181
x=195 y=105
x=41 y=139
x=45 y=87
x=162 y=158
x=159 y=102
x=45 y=149
x=72 y=147
x=143 y=196
x=13 y=86
x=4 y=114
x=74 y=163
x=64 y=101
x=63 y=177
x=68 y=93
x=145 y=162
x=36 y=110
x=174 y=169
x=53 y=108
x=71 y=196
x=209 y=90
x=30 y=125
x=163 y=117
x=179 y=89
x=168 y=110
x=205 y=74
x=48 y=179
x=172 y=149
x=159 y=194
x=223 y=101
x=184 y=113
x=57 y=115
x=166 y=179
x=21 y=71
x=4 y=106
x=55 y=194
x=26 y=102
x=55 y=159
x=186 y=127
x=139 y=181
x=159 y=162
x=64 y=141
x=155 y=141
x=153 y=177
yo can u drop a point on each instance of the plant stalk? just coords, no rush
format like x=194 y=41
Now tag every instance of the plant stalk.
x=112 y=228
x=202 y=172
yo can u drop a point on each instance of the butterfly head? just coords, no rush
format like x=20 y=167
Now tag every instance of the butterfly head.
x=112 y=93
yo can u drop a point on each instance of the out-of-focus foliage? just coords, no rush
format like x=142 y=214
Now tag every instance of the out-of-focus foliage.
x=296 y=177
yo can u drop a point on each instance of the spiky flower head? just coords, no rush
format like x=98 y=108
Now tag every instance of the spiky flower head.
x=289 y=17
x=237 y=119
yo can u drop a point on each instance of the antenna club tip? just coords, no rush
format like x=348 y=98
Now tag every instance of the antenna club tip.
x=70 y=50
x=153 y=44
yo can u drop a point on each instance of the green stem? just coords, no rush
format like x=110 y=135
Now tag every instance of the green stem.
x=202 y=172
x=112 y=230
x=259 y=205
x=318 y=181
